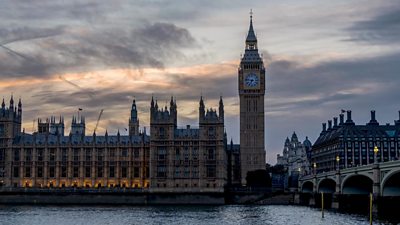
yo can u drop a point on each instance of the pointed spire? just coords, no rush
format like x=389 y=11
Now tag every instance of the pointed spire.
x=251 y=37
x=201 y=101
x=152 y=101
x=221 y=103
x=3 y=105
x=171 y=103
x=19 y=103
x=106 y=134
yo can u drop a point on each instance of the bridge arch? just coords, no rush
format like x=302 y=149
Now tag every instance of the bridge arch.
x=307 y=187
x=357 y=184
x=390 y=185
x=326 y=185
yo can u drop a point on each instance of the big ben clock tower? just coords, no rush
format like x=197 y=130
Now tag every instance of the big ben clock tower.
x=251 y=76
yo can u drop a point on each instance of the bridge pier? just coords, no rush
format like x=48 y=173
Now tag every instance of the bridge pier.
x=376 y=188
x=335 y=200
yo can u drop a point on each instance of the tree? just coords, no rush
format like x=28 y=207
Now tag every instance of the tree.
x=258 y=178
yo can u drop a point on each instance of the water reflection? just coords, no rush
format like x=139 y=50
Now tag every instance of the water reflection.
x=180 y=215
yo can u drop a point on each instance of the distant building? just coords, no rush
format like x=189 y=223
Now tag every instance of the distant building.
x=345 y=144
x=294 y=159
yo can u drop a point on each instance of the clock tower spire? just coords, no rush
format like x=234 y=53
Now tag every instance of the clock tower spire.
x=251 y=84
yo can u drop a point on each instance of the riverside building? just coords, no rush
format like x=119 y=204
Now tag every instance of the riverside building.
x=344 y=144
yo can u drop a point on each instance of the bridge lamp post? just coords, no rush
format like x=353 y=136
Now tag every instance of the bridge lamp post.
x=376 y=150
x=315 y=168
x=337 y=162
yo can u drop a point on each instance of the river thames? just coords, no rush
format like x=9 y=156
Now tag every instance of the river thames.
x=215 y=215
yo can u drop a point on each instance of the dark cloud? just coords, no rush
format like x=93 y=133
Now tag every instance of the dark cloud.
x=383 y=28
x=150 y=45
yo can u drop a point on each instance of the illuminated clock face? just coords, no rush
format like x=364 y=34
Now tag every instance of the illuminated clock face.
x=251 y=80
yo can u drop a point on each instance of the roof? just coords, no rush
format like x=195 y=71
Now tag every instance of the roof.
x=49 y=139
x=358 y=131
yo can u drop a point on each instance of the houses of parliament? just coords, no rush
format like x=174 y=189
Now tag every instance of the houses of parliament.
x=169 y=158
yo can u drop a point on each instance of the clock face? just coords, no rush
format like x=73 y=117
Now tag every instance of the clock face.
x=251 y=80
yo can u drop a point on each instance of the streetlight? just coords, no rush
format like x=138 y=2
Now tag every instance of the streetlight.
x=337 y=162
x=376 y=150
x=315 y=167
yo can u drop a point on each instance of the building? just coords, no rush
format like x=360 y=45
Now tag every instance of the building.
x=294 y=160
x=345 y=144
x=48 y=158
x=251 y=84
x=170 y=159
x=187 y=159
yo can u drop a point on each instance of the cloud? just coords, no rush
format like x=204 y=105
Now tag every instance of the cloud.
x=82 y=50
x=383 y=28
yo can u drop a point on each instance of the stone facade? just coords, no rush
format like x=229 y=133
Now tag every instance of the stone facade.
x=187 y=159
x=169 y=160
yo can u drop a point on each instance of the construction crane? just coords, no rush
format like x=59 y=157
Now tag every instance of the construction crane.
x=98 y=120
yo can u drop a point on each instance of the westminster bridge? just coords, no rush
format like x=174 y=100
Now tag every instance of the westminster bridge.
x=350 y=188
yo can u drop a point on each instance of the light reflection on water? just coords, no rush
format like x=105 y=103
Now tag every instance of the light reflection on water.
x=215 y=215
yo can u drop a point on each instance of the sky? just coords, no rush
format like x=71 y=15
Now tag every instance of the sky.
x=320 y=57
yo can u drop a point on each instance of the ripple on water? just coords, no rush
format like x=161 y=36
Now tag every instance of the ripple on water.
x=180 y=215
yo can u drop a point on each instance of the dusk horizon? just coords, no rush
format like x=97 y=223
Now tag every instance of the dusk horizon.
x=320 y=58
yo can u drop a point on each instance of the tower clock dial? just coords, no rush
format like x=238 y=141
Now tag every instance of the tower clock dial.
x=251 y=80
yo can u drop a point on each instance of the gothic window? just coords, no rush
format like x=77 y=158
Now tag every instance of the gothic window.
x=52 y=155
x=124 y=172
x=63 y=171
x=15 y=171
x=195 y=172
x=87 y=171
x=162 y=132
x=161 y=171
x=99 y=155
x=161 y=153
x=211 y=154
x=39 y=171
x=136 y=172
x=16 y=155
x=28 y=154
x=76 y=172
x=88 y=155
x=177 y=154
x=186 y=172
x=112 y=171
x=177 y=172
x=52 y=171
x=64 y=154
x=195 y=153
x=124 y=152
x=100 y=171
x=211 y=132
x=136 y=153
x=76 y=155
x=211 y=171
x=28 y=171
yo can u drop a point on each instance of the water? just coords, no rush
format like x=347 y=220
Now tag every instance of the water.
x=215 y=215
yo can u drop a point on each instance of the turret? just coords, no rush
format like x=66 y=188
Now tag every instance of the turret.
x=11 y=103
x=201 y=109
x=221 y=109
x=133 y=120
